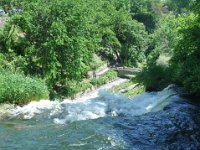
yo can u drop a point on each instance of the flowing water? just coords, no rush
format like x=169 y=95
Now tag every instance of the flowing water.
x=103 y=121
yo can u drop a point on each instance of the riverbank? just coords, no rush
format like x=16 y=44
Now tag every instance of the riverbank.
x=18 y=89
x=128 y=88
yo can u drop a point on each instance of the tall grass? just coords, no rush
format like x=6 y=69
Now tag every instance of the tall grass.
x=18 y=89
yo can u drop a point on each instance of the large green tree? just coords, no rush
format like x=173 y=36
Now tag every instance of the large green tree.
x=185 y=62
x=124 y=38
x=146 y=12
x=57 y=38
x=178 y=6
x=133 y=38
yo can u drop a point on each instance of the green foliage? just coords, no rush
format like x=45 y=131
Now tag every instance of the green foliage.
x=186 y=61
x=129 y=92
x=178 y=6
x=155 y=77
x=165 y=37
x=8 y=5
x=72 y=88
x=176 y=38
x=19 y=89
x=147 y=12
x=124 y=85
x=56 y=40
x=126 y=40
x=195 y=5
x=157 y=74
x=96 y=63
x=133 y=39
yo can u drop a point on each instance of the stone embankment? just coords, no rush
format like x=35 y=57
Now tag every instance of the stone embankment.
x=122 y=72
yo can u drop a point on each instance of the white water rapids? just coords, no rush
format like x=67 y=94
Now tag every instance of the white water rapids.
x=98 y=103
x=103 y=121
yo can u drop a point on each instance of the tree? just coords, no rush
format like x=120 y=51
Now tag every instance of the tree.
x=185 y=61
x=178 y=6
x=146 y=12
x=156 y=73
x=133 y=39
x=8 y=5
x=124 y=38
x=58 y=37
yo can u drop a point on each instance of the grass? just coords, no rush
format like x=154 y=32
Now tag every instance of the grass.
x=138 y=89
x=19 y=89
x=124 y=85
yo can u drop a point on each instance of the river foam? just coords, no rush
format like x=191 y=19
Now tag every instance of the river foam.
x=99 y=103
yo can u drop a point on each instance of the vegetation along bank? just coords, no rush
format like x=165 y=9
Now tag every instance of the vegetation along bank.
x=47 y=47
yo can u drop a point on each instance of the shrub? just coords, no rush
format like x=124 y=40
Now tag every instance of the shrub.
x=18 y=89
x=155 y=78
x=72 y=88
x=157 y=74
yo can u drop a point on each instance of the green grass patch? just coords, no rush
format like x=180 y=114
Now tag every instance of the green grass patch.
x=19 y=89
x=124 y=85
x=139 y=89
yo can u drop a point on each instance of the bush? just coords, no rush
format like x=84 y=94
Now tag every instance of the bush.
x=157 y=74
x=155 y=78
x=19 y=89
x=72 y=88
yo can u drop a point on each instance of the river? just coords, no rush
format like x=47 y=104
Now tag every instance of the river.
x=103 y=121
